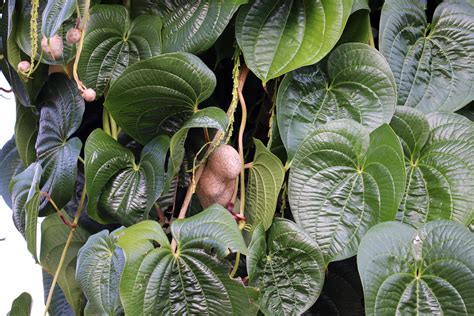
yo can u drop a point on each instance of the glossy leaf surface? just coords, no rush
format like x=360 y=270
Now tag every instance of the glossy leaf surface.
x=11 y=166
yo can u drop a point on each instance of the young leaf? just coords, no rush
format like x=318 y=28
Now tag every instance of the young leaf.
x=54 y=14
x=358 y=84
x=158 y=95
x=279 y=36
x=189 y=281
x=61 y=111
x=119 y=190
x=99 y=268
x=21 y=306
x=54 y=234
x=426 y=271
x=265 y=179
x=113 y=42
x=26 y=132
x=439 y=160
x=11 y=166
x=287 y=267
x=210 y=117
x=432 y=63
x=344 y=180
x=194 y=26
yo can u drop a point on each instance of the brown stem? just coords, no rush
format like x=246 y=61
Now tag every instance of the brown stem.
x=160 y=214
x=56 y=208
x=243 y=122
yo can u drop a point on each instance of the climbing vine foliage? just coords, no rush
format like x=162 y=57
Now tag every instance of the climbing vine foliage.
x=242 y=157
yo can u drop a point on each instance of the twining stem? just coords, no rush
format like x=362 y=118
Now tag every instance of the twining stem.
x=272 y=117
x=113 y=128
x=106 y=122
x=66 y=247
x=85 y=20
x=56 y=208
x=371 y=36
x=236 y=265
x=243 y=122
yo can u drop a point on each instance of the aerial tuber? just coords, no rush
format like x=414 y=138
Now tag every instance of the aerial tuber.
x=73 y=36
x=217 y=182
x=53 y=47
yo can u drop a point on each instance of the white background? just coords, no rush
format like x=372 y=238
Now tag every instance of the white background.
x=18 y=271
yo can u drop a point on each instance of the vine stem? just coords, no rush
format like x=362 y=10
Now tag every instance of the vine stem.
x=84 y=21
x=217 y=137
x=66 y=247
x=243 y=122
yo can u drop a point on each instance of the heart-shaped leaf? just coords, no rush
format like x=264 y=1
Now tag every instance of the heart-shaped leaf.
x=344 y=180
x=342 y=293
x=429 y=271
x=53 y=239
x=432 y=63
x=23 y=38
x=26 y=132
x=210 y=117
x=11 y=166
x=439 y=160
x=189 y=281
x=358 y=84
x=113 y=42
x=54 y=15
x=194 y=26
x=99 y=268
x=287 y=266
x=61 y=111
x=120 y=190
x=21 y=306
x=24 y=189
x=279 y=36
x=265 y=179
x=158 y=95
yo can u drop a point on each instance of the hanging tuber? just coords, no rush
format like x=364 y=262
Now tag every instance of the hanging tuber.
x=73 y=36
x=53 y=47
x=89 y=95
x=24 y=66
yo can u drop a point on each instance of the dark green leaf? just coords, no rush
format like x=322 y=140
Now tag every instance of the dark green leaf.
x=31 y=210
x=21 y=306
x=429 y=271
x=61 y=111
x=189 y=281
x=360 y=5
x=11 y=166
x=211 y=117
x=26 y=132
x=358 y=84
x=59 y=305
x=287 y=267
x=439 y=162
x=279 y=36
x=344 y=180
x=265 y=179
x=120 y=190
x=194 y=26
x=99 y=268
x=54 y=14
x=158 y=95
x=113 y=42
x=358 y=28
x=432 y=63
x=54 y=234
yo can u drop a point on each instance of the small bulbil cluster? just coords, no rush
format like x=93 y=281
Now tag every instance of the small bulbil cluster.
x=53 y=46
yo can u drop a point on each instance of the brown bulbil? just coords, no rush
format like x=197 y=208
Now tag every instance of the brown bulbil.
x=24 y=66
x=73 y=36
x=89 y=95
x=217 y=182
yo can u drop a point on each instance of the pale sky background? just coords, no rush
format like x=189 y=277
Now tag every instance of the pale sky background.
x=18 y=271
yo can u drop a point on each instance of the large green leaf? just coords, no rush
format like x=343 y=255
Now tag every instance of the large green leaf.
x=159 y=94
x=344 y=180
x=54 y=234
x=99 y=268
x=432 y=63
x=54 y=14
x=156 y=281
x=23 y=38
x=21 y=306
x=210 y=117
x=61 y=111
x=193 y=26
x=113 y=42
x=31 y=210
x=429 y=271
x=277 y=36
x=439 y=160
x=26 y=132
x=287 y=266
x=265 y=179
x=120 y=190
x=358 y=84
x=11 y=166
